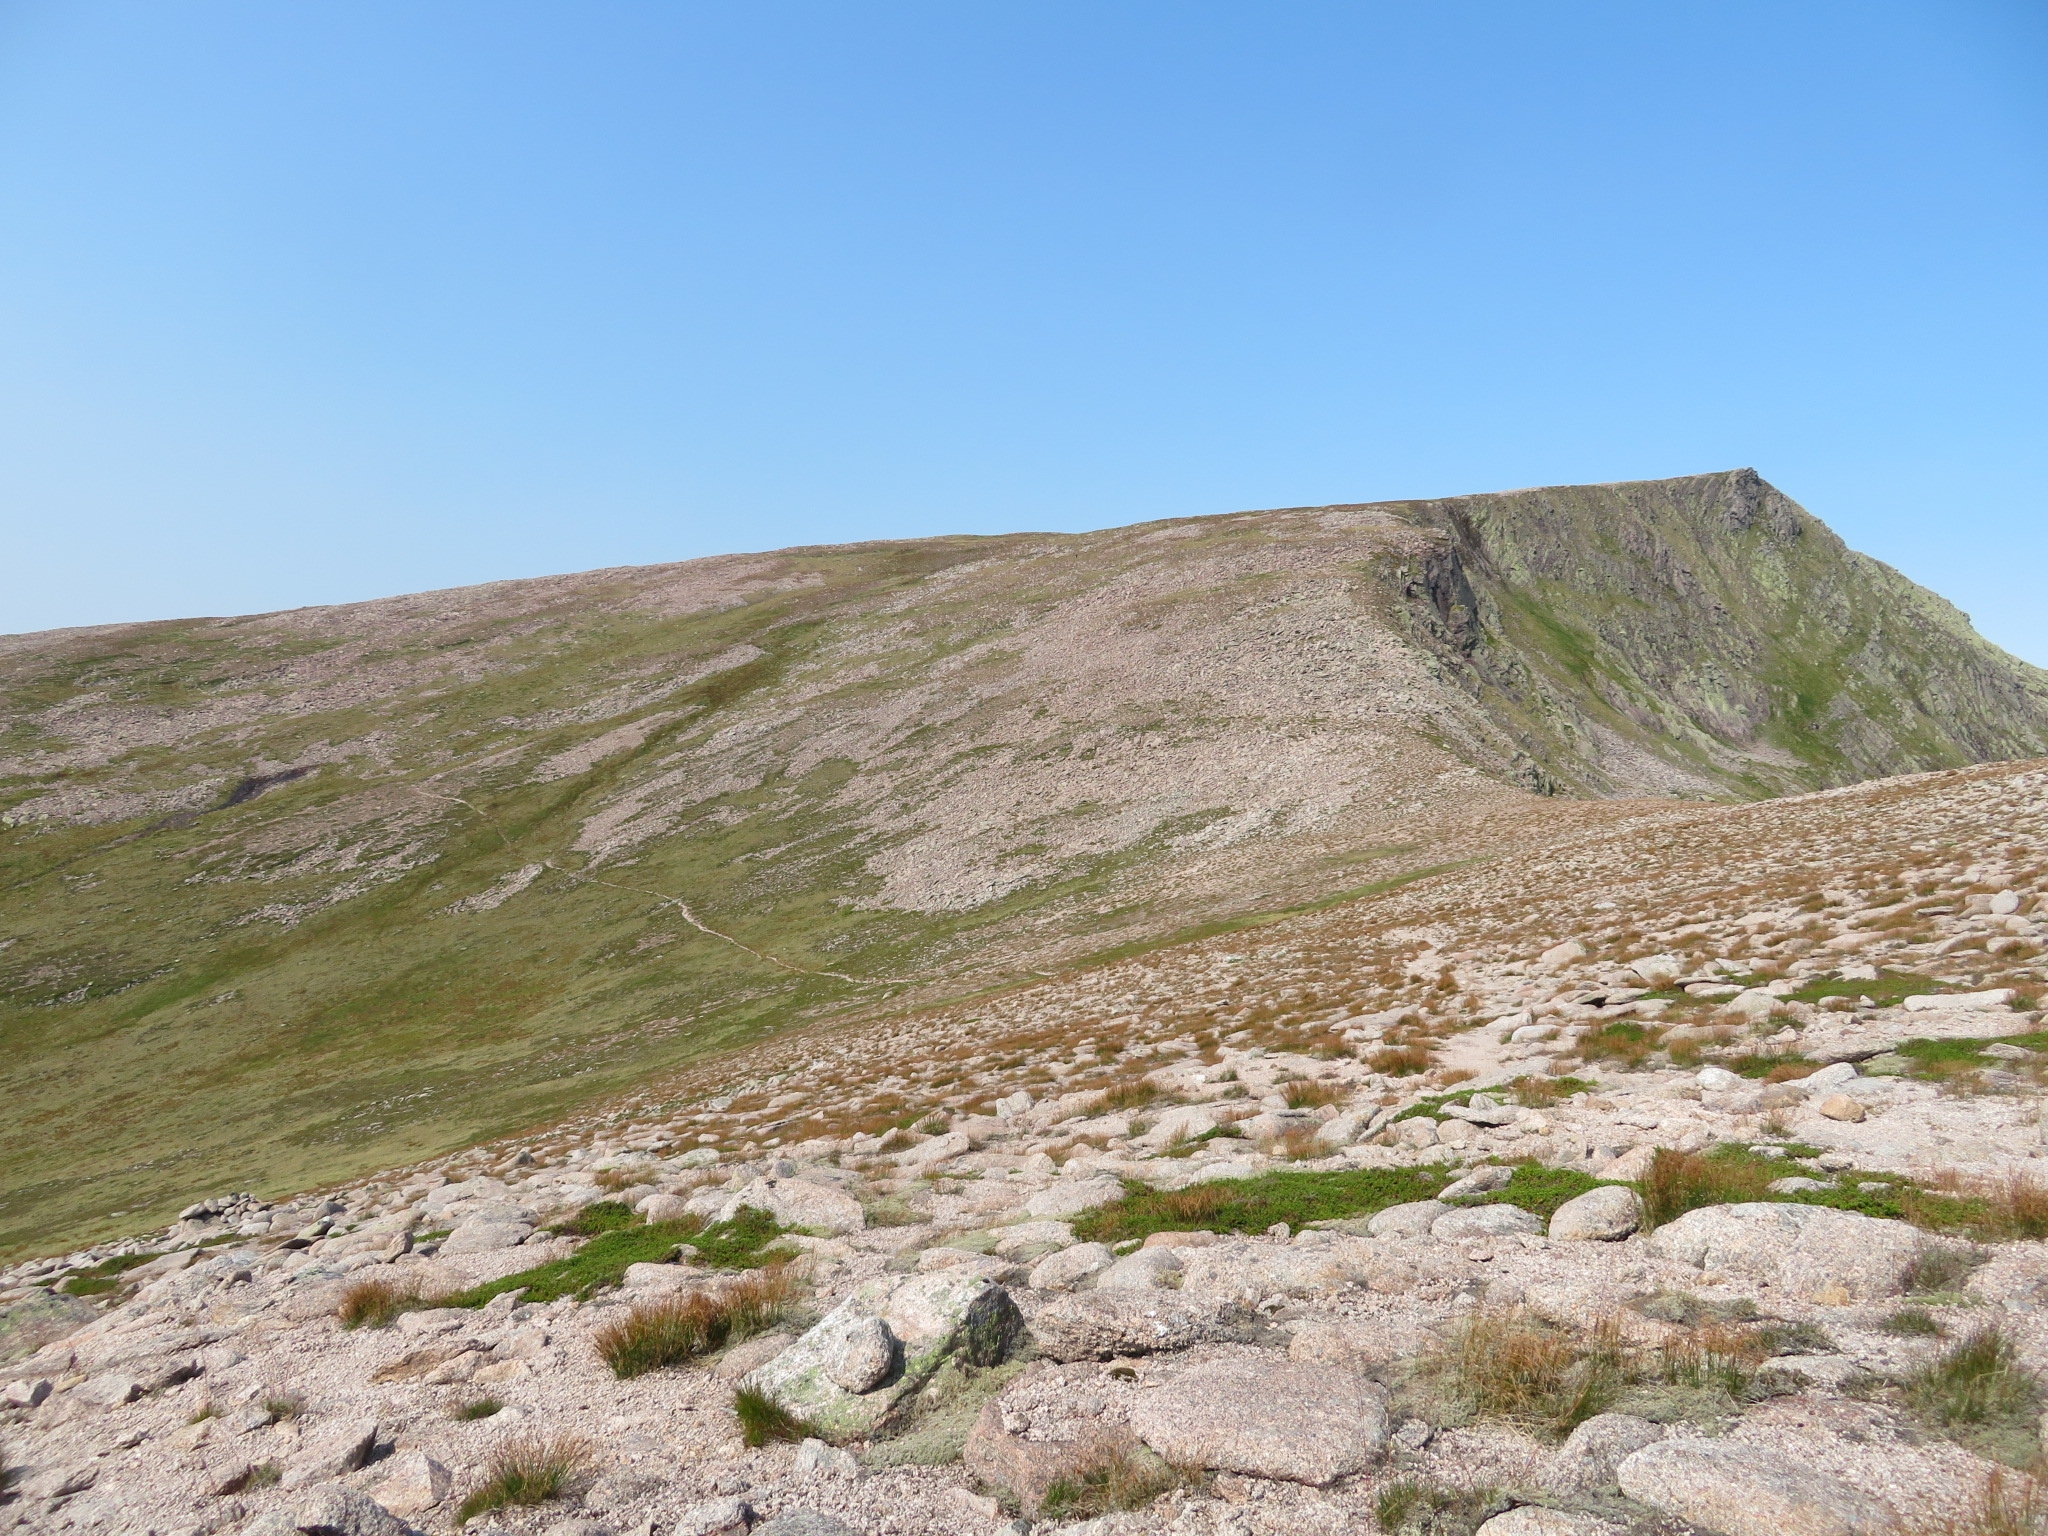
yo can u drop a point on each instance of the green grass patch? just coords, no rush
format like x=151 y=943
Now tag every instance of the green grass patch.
x=1252 y=1205
x=1537 y=1189
x=745 y=1242
x=597 y=1219
x=1888 y=988
x=764 y=1421
x=105 y=1276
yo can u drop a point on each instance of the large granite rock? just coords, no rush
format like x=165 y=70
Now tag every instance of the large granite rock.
x=1735 y=1489
x=797 y=1203
x=1808 y=1251
x=1265 y=1416
x=1104 y=1325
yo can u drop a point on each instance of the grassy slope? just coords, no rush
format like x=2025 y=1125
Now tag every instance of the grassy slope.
x=162 y=1038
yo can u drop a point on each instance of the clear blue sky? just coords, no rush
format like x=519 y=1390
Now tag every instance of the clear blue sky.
x=305 y=303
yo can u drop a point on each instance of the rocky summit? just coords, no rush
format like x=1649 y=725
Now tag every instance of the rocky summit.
x=1518 y=1014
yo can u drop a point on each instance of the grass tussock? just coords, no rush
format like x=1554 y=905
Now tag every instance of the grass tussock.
x=1512 y=1366
x=2007 y=1505
x=1313 y=1095
x=1131 y=1093
x=763 y=1421
x=1939 y=1268
x=376 y=1302
x=1912 y=1323
x=675 y=1329
x=1409 y=1060
x=528 y=1470
x=1110 y=1480
x=480 y=1408
x=1685 y=1181
x=1978 y=1380
x=1412 y=1508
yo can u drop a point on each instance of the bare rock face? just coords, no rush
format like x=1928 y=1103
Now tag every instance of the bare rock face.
x=1742 y=1490
x=1808 y=1250
x=1071 y=1268
x=1266 y=1417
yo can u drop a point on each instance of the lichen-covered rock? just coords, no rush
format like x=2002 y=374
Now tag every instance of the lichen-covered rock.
x=1743 y=1490
x=933 y=1318
x=1265 y=1416
x=1808 y=1251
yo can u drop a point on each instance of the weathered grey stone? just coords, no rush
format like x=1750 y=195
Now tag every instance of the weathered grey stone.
x=414 y=1484
x=1586 y=1462
x=804 y=1522
x=109 y=1389
x=1102 y=1325
x=1071 y=1268
x=1264 y=1416
x=1029 y=1240
x=1414 y=1219
x=1600 y=1215
x=1533 y=1520
x=1070 y=1197
x=798 y=1203
x=1743 y=1490
x=1145 y=1270
x=865 y=1357
x=1485 y=1221
x=1809 y=1251
x=338 y=1511
x=479 y=1236
x=330 y=1450
x=933 y=1317
x=714 y=1517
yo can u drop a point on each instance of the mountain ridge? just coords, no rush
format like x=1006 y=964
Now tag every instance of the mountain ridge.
x=302 y=893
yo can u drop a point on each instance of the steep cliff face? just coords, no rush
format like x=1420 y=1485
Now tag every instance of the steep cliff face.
x=1705 y=635
x=297 y=893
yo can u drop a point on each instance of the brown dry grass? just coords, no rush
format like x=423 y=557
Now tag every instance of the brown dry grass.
x=1401 y=1060
x=1512 y=1365
x=1684 y=1181
x=679 y=1328
x=376 y=1302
